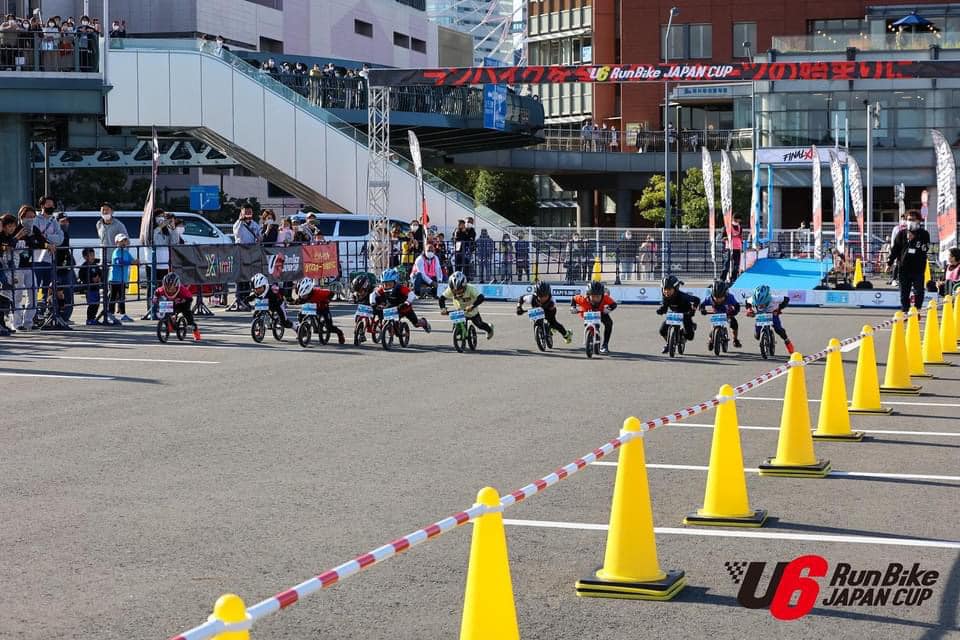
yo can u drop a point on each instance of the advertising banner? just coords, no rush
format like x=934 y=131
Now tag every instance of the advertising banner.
x=817 y=207
x=707 y=166
x=215 y=264
x=946 y=194
x=726 y=193
x=321 y=261
x=283 y=264
x=839 y=204
x=856 y=198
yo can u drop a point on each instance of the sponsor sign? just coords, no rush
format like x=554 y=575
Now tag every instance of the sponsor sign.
x=796 y=155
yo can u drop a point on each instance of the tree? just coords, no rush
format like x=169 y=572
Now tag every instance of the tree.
x=693 y=201
x=89 y=188
x=463 y=179
x=652 y=200
x=512 y=195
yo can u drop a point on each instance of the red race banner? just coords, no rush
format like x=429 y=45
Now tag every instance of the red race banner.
x=321 y=261
x=673 y=72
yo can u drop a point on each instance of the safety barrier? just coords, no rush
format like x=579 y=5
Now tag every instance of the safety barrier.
x=488 y=607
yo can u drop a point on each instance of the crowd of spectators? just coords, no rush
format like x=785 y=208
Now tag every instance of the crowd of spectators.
x=599 y=138
x=55 y=44
x=329 y=86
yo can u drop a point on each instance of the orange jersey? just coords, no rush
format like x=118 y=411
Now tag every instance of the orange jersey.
x=584 y=304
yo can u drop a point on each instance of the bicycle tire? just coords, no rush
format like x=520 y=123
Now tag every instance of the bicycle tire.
x=764 y=336
x=589 y=337
x=472 y=338
x=181 y=328
x=672 y=341
x=548 y=334
x=716 y=340
x=276 y=326
x=459 y=339
x=386 y=336
x=304 y=333
x=403 y=334
x=323 y=330
x=538 y=336
x=358 y=330
x=163 y=330
x=258 y=329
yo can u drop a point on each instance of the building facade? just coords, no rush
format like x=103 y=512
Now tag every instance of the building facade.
x=488 y=22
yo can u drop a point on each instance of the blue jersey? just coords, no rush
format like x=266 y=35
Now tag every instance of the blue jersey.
x=729 y=306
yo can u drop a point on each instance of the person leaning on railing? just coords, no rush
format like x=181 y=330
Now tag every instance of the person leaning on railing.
x=8 y=243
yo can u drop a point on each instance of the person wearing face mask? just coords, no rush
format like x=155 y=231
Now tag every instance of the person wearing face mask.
x=163 y=237
x=52 y=233
x=627 y=251
x=417 y=231
x=29 y=239
x=910 y=248
x=108 y=228
x=50 y=45
x=485 y=249
x=245 y=231
x=87 y=44
x=426 y=273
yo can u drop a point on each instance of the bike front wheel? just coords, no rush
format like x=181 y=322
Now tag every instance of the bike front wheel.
x=590 y=336
x=304 y=334
x=163 y=330
x=258 y=329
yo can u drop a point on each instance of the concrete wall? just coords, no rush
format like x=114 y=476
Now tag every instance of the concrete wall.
x=455 y=48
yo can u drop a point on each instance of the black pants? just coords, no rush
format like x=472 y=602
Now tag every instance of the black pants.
x=479 y=323
x=551 y=317
x=327 y=321
x=183 y=308
x=118 y=292
x=908 y=282
x=607 y=323
x=731 y=265
x=688 y=328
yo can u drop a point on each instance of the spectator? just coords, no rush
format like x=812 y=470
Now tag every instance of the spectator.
x=270 y=229
x=910 y=247
x=245 y=231
x=50 y=45
x=506 y=258
x=586 y=133
x=9 y=30
x=427 y=272
x=43 y=259
x=409 y=248
x=28 y=239
x=627 y=252
x=164 y=236
x=485 y=249
x=314 y=80
x=731 y=263
x=459 y=247
x=471 y=246
x=87 y=43
x=91 y=277
x=440 y=247
x=522 y=257
x=417 y=231
x=648 y=257
x=64 y=262
x=8 y=243
x=604 y=141
x=951 y=273
x=118 y=29
x=120 y=262
x=285 y=234
x=614 y=140
x=108 y=227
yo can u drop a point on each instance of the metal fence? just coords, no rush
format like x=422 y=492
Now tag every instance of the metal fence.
x=575 y=138
x=49 y=51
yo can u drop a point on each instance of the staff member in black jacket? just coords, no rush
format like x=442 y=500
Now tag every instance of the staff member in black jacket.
x=910 y=247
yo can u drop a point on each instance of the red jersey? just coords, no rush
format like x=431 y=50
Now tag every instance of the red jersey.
x=584 y=304
x=320 y=297
x=182 y=295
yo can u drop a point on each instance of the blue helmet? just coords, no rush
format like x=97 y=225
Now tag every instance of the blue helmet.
x=761 y=296
x=389 y=275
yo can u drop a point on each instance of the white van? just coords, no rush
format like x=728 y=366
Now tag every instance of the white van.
x=347 y=226
x=83 y=230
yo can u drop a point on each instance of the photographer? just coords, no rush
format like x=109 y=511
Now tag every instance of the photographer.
x=43 y=258
x=245 y=231
x=66 y=277
x=164 y=236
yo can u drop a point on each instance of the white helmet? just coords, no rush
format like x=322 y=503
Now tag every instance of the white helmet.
x=258 y=281
x=457 y=280
x=305 y=287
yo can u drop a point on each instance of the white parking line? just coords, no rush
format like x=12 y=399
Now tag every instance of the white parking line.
x=704 y=425
x=55 y=375
x=756 y=535
x=905 y=404
x=838 y=474
x=47 y=357
x=140 y=345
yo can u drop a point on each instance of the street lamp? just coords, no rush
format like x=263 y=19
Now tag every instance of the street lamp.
x=674 y=11
x=873 y=121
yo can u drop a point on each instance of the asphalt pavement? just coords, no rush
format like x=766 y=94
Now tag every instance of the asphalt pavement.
x=140 y=481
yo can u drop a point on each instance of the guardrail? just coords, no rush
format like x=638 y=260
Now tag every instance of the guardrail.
x=326 y=579
x=60 y=52
x=602 y=140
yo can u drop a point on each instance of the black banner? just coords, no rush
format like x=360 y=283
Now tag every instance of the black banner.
x=283 y=264
x=215 y=264
x=674 y=72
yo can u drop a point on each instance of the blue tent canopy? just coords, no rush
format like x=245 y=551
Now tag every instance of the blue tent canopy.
x=912 y=20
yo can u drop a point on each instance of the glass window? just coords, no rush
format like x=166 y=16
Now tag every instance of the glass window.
x=744 y=32
x=675 y=47
x=354 y=228
x=401 y=40
x=197 y=227
x=84 y=228
x=363 y=28
x=418 y=45
x=701 y=40
x=577 y=51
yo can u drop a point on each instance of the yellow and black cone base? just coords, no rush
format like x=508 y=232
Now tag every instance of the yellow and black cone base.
x=819 y=469
x=757 y=519
x=912 y=390
x=882 y=411
x=853 y=436
x=665 y=589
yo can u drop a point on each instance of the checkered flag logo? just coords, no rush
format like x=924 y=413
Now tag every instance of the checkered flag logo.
x=736 y=570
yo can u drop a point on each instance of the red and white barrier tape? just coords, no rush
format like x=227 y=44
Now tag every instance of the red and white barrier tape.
x=331 y=577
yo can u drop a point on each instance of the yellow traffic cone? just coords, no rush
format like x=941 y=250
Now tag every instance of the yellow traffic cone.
x=948 y=332
x=725 y=502
x=536 y=273
x=833 y=423
x=133 y=287
x=914 y=350
x=866 y=386
x=230 y=609
x=932 y=353
x=795 y=457
x=630 y=567
x=858 y=273
x=488 y=609
x=896 y=378
x=926 y=275
x=597 y=270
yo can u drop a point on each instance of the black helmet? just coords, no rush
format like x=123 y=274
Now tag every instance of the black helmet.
x=362 y=282
x=596 y=288
x=719 y=288
x=542 y=289
x=670 y=282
